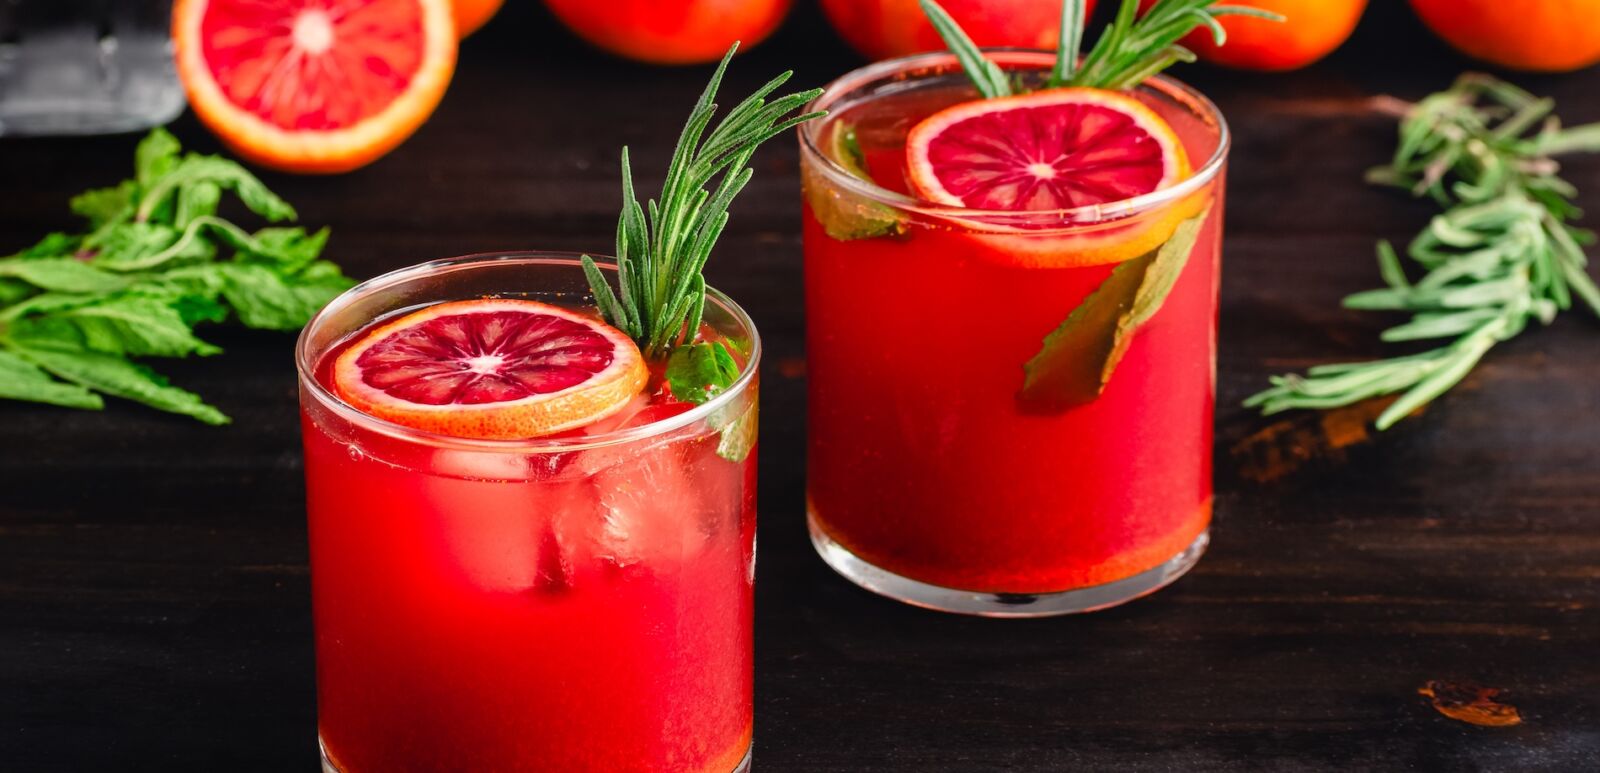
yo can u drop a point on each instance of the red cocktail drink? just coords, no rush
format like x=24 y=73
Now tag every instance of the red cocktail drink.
x=576 y=602
x=939 y=473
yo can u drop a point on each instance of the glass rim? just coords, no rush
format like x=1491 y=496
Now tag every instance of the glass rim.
x=1087 y=215
x=306 y=361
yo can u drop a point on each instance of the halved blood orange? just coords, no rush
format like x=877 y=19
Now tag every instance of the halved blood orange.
x=314 y=85
x=492 y=368
x=1052 y=150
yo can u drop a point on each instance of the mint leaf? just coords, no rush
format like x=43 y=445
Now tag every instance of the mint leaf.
x=53 y=245
x=289 y=249
x=105 y=205
x=14 y=291
x=131 y=246
x=44 y=303
x=202 y=280
x=698 y=372
x=68 y=275
x=155 y=156
x=264 y=298
x=739 y=437
x=115 y=376
x=846 y=215
x=124 y=326
x=221 y=172
x=22 y=380
x=848 y=152
x=194 y=309
x=195 y=201
x=1079 y=357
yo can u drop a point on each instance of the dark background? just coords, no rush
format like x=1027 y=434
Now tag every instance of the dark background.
x=154 y=597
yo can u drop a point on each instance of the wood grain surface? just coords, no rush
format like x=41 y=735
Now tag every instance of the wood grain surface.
x=154 y=595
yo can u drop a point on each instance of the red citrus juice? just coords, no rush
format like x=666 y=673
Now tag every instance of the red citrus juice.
x=577 y=607
x=923 y=460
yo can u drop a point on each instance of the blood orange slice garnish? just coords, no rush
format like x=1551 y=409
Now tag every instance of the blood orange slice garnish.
x=314 y=85
x=492 y=368
x=1052 y=150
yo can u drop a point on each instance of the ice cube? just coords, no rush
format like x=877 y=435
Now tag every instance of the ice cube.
x=481 y=465
x=507 y=533
x=655 y=502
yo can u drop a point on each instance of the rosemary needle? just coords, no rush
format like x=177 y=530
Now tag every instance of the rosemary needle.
x=662 y=246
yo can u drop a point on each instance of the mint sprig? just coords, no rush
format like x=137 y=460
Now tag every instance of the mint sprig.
x=1132 y=50
x=662 y=247
x=76 y=309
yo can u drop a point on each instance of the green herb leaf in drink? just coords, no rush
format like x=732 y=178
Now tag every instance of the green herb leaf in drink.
x=739 y=437
x=1077 y=358
x=846 y=214
x=698 y=372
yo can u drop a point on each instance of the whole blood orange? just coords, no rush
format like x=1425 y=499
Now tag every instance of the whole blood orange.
x=491 y=368
x=881 y=29
x=671 y=31
x=1310 y=30
x=1544 y=36
x=472 y=14
x=310 y=85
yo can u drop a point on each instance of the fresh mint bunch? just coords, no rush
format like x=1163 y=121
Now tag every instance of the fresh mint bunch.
x=156 y=260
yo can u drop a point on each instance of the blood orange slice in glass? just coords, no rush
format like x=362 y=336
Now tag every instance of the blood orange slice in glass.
x=1056 y=149
x=492 y=368
x=314 y=85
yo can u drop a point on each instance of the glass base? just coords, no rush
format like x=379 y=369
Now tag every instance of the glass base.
x=329 y=767
x=920 y=594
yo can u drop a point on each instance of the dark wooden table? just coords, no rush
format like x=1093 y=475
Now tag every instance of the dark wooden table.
x=154 y=596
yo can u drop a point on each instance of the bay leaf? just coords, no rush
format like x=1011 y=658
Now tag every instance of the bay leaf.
x=1078 y=358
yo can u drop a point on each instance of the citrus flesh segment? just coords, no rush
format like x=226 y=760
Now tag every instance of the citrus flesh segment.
x=492 y=368
x=314 y=85
x=1049 y=150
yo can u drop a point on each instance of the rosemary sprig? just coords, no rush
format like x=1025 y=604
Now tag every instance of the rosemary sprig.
x=662 y=247
x=1500 y=255
x=1129 y=52
x=986 y=75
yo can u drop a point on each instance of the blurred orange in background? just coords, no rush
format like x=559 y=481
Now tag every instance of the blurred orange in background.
x=881 y=29
x=299 y=86
x=671 y=31
x=1540 y=35
x=471 y=14
x=1311 y=29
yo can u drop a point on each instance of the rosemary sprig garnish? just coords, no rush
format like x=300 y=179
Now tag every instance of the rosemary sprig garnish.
x=1500 y=255
x=1129 y=52
x=662 y=247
